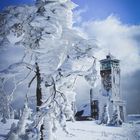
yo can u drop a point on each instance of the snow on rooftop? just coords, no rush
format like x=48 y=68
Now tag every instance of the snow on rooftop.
x=86 y=109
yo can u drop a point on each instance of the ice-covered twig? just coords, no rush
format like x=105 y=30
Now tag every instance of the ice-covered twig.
x=18 y=83
x=31 y=81
x=14 y=68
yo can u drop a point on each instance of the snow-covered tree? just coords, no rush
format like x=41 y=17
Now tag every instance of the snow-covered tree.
x=18 y=131
x=52 y=50
x=105 y=115
x=4 y=103
x=116 y=120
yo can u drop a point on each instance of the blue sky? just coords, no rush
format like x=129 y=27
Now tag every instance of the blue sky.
x=127 y=10
x=4 y=3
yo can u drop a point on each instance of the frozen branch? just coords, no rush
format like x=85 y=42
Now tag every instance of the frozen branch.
x=31 y=81
x=15 y=68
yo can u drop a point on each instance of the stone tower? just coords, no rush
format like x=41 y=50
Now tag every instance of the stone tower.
x=110 y=77
x=110 y=81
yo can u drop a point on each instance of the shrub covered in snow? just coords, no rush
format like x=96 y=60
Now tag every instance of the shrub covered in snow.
x=105 y=115
x=115 y=120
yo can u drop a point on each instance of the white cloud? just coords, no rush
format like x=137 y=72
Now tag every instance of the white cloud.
x=120 y=39
x=123 y=41
x=77 y=17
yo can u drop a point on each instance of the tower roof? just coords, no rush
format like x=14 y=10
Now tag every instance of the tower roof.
x=109 y=57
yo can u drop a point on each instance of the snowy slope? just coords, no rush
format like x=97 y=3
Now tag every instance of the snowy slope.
x=134 y=117
x=89 y=130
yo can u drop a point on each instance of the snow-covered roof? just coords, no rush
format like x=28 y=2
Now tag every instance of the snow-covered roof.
x=86 y=109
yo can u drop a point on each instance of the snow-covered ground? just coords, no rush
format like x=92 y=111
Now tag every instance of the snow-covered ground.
x=5 y=128
x=89 y=130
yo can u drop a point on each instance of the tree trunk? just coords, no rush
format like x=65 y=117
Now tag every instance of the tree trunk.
x=38 y=88
x=39 y=95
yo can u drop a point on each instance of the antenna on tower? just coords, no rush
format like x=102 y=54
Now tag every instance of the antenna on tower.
x=109 y=53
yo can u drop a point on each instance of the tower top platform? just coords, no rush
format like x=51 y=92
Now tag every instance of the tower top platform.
x=109 y=57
